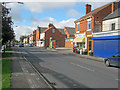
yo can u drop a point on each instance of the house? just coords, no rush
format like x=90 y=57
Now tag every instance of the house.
x=70 y=31
x=91 y=22
x=25 y=40
x=30 y=39
x=34 y=37
x=50 y=34
x=106 y=43
x=39 y=36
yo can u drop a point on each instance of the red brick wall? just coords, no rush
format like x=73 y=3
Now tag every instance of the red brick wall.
x=37 y=34
x=100 y=15
x=68 y=43
x=55 y=36
x=66 y=32
x=34 y=37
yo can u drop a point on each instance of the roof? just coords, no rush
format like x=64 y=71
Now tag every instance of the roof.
x=70 y=30
x=41 y=29
x=61 y=30
x=90 y=14
x=115 y=14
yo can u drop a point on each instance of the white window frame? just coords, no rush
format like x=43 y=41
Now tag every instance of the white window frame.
x=77 y=28
x=111 y=26
x=89 y=20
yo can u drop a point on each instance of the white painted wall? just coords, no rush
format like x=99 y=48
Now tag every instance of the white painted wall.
x=40 y=43
x=107 y=24
x=25 y=40
x=42 y=35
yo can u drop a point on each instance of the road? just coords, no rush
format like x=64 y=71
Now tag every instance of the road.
x=67 y=71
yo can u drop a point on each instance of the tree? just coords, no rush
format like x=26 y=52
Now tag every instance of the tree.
x=22 y=38
x=7 y=30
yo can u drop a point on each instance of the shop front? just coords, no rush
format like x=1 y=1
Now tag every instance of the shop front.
x=82 y=43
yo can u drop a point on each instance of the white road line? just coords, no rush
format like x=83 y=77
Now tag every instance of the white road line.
x=83 y=67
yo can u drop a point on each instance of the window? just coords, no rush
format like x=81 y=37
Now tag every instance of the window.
x=78 y=27
x=89 y=24
x=81 y=44
x=113 y=26
x=53 y=30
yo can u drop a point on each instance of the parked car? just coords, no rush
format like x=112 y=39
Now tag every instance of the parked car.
x=21 y=45
x=30 y=45
x=113 y=60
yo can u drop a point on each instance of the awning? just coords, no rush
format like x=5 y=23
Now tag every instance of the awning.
x=82 y=39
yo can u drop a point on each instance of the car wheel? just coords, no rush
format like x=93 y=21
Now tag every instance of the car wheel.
x=107 y=63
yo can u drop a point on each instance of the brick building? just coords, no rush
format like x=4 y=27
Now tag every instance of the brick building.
x=70 y=36
x=52 y=33
x=31 y=39
x=38 y=33
x=34 y=37
x=91 y=22
x=106 y=43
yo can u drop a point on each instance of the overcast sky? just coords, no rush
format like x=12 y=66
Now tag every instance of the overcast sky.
x=28 y=16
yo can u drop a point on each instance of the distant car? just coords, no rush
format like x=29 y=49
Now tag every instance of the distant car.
x=26 y=44
x=113 y=60
x=30 y=45
x=21 y=45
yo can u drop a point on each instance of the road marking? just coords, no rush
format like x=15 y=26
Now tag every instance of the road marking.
x=82 y=67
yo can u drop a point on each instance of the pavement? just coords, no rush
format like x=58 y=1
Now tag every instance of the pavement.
x=69 y=51
x=23 y=75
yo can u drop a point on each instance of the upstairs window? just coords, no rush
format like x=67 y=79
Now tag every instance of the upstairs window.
x=89 y=24
x=78 y=27
x=113 y=26
x=53 y=30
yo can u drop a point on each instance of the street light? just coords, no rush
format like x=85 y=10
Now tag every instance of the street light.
x=12 y=2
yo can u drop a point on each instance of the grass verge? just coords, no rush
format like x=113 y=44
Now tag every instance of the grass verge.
x=6 y=69
x=6 y=54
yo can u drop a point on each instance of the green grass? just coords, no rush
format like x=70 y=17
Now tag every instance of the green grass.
x=6 y=54
x=6 y=71
x=8 y=49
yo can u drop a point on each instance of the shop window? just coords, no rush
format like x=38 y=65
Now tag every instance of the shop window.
x=81 y=44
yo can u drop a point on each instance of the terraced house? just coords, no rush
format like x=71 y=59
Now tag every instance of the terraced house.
x=39 y=41
x=91 y=22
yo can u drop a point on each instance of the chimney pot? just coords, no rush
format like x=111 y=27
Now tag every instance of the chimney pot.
x=87 y=8
x=50 y=24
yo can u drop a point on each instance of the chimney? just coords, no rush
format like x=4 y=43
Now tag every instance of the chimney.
x=115 y=6
x=87 y=8
x=50 y=25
